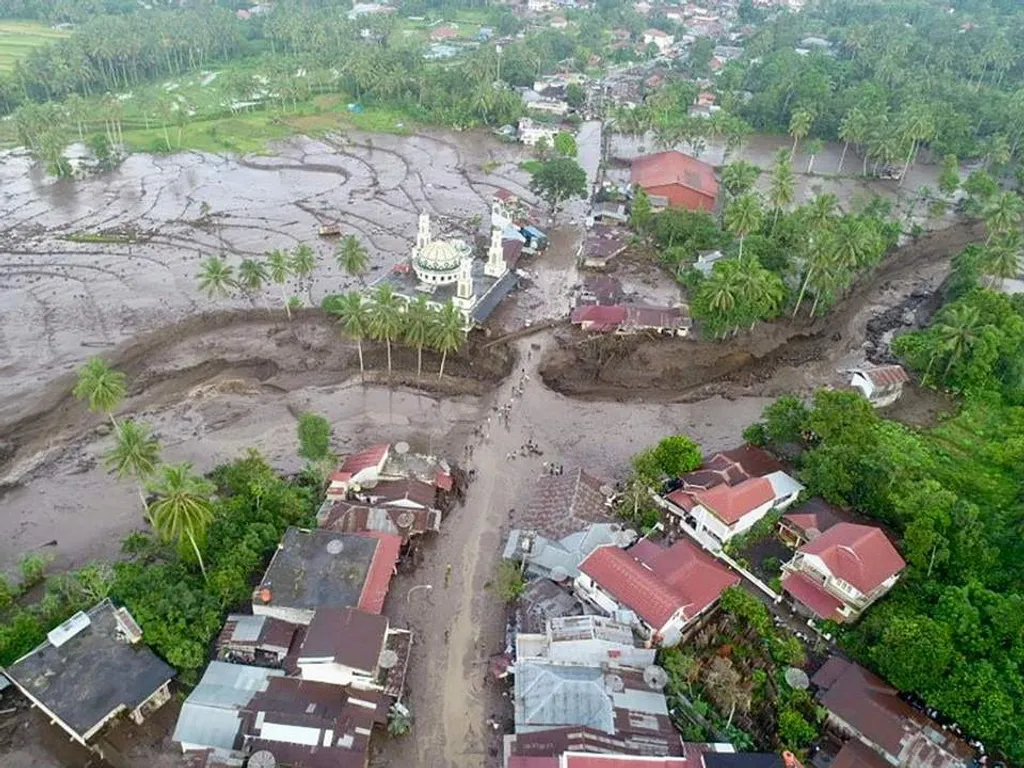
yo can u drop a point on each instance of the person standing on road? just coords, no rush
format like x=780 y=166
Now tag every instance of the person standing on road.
x=447 y=575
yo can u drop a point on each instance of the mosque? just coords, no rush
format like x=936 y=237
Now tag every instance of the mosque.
x=445 y=270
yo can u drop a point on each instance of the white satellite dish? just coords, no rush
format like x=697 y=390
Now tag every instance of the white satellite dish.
x=335 y=546
x=405 y=519
x=262 y=759
x=655 y=677
x=559 y=574
x=797 y=678
x=388 y=659
x=401 y=448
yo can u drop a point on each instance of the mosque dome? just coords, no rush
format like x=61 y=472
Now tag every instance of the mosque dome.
x=438 y=256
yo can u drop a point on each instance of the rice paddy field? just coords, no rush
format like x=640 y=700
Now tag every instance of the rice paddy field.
x=18 y=38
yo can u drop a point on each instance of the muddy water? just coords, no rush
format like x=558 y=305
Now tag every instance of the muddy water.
x=63 y=301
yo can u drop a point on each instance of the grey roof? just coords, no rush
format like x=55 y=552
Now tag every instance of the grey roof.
x=211 y=716
x=494 y=296
x=92 y=674
x=567 y=553
x=247 y=628
x=551 y=694
x=543 y=600
x=306 y=574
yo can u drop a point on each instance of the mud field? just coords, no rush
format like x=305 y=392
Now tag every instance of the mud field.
x=217 y=377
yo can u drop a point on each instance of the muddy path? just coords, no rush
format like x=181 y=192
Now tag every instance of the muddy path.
x=777 y=357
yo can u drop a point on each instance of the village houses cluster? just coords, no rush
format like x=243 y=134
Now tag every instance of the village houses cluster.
x=600 y=599
x=304 y=677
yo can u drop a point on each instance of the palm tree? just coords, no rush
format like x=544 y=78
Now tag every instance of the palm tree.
x=449 y=333
x=1003 y=214
x=303 y=264
x=799 y=127
x=957 y=333
x=1002 y=259
x=419 y=324
x=252 y=276
x=280 y=269
x=101 y=387
x=136 y=453
x=386 y=317
x=782 y=187
x=739 y=176
x=216 y=277
x=814 y=147
x=183 y=510
x=352 y=257
x=916 y=124
x=743 y=216
x=354 y=317
x=852 y=130
x=822 y=210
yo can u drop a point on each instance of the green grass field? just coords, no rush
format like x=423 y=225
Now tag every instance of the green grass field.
x=18 y=38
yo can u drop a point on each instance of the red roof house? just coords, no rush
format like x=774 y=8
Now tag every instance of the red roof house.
x=683 y=180
x=667 y=589
x=841 y=572
x=862 y=704
x=357 y=467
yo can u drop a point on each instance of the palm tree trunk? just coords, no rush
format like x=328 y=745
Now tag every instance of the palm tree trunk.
x=864 y=170
x=906 y=165
x=389 y=357
x=145 y=504
x=842 y=159
x=419 y=361
x=803 y=288
x=199 y=557
x=440 y=373
x=362 y=370
x=284 y=298
x=814 y=306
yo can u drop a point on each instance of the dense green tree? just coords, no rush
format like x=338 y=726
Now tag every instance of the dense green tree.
x=314 y=433
x=676 y=455
x=559 y=179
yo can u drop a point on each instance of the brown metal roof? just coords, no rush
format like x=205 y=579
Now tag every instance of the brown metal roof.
x=886 y=375
x=563 y=504
x=348 y=636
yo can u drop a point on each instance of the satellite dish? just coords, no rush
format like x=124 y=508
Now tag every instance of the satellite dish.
x=262 y=759
x=405 y=520
x=797 y=678
x=388 y=659
x=401 y=447
x=558 y=573
x=655 y=677
x=335 y=546
x=613 y=683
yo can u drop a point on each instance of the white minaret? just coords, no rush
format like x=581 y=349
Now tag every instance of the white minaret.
x=423 y=233
x=495 y=266
x=464 y=298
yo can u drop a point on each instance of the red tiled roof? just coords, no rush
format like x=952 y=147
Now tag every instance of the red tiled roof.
x=631 y=584
x=382 y=567
x=655 y=582
x=801 y=587
x=694 y=575
x=858 y=554
x=409 y=489
x=886 y=375
x=730 y=503
x=671 y=167
x=357 y=462
x=600 y=318
x=443 y=480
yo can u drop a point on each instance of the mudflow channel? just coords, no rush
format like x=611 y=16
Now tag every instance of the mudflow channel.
x=217 y=377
